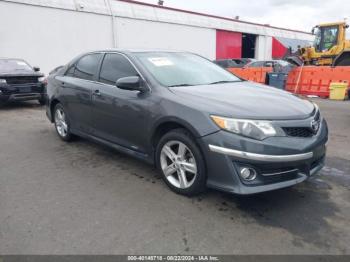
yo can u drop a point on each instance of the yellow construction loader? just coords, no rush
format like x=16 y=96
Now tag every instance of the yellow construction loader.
x=330 y=47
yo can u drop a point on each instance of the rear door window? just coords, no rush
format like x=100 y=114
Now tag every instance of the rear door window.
x=86 y=67
x=115 y=66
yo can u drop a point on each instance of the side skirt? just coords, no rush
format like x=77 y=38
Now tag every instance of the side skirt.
x=142 y=156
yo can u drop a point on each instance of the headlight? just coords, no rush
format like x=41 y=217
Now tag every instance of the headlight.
x=43 y=80
x=3 y=81
x=250 y=128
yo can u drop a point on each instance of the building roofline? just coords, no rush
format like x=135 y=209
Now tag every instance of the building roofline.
x=209 y=15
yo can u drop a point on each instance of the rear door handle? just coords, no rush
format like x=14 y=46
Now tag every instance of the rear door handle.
x=97 y=93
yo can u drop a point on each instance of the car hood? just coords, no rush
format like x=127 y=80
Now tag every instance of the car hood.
x=245 y=100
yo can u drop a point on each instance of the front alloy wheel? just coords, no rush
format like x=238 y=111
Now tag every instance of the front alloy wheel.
x=61 y=123
x=181 y=162
x=178 y=164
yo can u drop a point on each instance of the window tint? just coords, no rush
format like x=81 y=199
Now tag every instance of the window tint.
x=87 y=66
x=239 y=61
x=283 y=63
x=115 y=66
x=269 y=64
x=257 y=64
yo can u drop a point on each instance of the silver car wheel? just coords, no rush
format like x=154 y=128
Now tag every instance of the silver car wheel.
x=178 y=164
x=61 y=123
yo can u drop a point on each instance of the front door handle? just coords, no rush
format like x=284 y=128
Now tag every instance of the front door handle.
x=97 y=93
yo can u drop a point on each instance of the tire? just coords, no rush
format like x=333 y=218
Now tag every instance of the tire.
x=62 y=125
x=42 y=101
x=343 y=59
x=184 y=172
x=345 y=62
x=2 y=103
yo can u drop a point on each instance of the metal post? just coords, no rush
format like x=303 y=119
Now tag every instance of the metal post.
x=298 y=80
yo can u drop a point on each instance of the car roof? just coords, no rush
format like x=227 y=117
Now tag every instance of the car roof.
x=136 y=50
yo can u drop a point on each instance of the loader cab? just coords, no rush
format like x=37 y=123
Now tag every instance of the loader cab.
x=325 y=37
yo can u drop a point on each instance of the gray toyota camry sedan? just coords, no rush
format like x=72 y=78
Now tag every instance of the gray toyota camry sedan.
x=198 y=124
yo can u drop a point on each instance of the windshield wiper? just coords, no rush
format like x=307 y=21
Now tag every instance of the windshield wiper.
x=224 y=81
x=217 y=82
x=180 y=85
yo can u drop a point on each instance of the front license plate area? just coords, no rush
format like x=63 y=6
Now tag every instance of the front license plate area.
x=25 y=89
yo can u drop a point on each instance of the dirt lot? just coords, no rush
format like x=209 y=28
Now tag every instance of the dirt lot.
x=81 y=198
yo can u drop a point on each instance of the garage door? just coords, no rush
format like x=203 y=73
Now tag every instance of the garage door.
x=228 y=44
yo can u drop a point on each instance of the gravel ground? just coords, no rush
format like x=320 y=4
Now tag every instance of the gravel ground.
x=82 y=198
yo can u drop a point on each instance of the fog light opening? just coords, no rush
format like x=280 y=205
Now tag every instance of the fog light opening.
x=247 y=173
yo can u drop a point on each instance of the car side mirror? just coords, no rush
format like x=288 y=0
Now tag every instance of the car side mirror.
x=132 y=83
x=36 y=69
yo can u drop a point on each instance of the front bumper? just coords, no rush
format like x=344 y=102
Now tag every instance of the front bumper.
x=25 y=97
x=261 y=157
x=22 y=92
x=279 y=161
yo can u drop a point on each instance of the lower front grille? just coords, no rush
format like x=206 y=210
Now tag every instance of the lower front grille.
x=23 y=97
x=272 y=173
x=279 y=171
x=298 y=131
x=280 y=177
x=21 y=80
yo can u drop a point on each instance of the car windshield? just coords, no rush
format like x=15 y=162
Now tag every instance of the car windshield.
x=183 y=69
x=325 y=38
x=10 y=65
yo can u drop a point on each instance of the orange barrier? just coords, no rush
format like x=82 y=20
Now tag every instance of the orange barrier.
x=315 y=80
x=255 y=74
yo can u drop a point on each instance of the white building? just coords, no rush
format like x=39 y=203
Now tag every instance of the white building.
x=48 y=33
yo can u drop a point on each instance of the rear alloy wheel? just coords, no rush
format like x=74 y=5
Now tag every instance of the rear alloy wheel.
x=61 y=123
x=181 y=163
